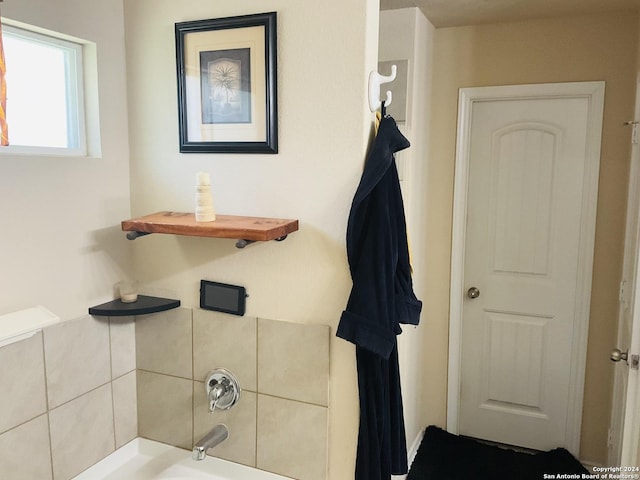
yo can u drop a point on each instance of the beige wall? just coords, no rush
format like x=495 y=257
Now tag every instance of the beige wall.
x=596 y=47
x=61 y=244
x=407 y=34
x=325 y=53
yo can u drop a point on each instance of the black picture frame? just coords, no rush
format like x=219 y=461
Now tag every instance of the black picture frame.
x=227 y=89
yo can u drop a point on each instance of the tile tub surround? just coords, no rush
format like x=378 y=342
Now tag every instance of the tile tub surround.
x=82 y=432
x=283 y=370
x=68 y=397
x=22 y=400
x=72 y=395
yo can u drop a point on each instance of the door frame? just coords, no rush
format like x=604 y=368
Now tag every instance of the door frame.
x=594 y=92
x=627 y=304
x=630 y=447
x=624 y=426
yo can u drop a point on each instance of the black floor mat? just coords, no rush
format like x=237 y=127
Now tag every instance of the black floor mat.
x=443 y=455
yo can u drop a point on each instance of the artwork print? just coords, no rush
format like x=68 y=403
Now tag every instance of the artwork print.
x=225 y=79
x=227 y=84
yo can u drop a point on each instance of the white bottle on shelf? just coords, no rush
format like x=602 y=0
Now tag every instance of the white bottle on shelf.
x=204 y=200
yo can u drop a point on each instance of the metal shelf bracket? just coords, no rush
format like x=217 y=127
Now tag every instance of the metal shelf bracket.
x=242 y=243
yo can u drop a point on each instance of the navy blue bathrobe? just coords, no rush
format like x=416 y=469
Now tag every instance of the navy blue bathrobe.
x=381 y=299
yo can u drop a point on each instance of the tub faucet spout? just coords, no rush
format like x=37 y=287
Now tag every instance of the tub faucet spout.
x=216 y=436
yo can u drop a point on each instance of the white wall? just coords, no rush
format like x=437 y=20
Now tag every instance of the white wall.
x=405 y=34
x=60 y=242
x=325 y=52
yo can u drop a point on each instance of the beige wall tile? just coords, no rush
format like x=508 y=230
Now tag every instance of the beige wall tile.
x=22 y=395
x=293 y=361
x=122 y=331
x=240 y=447
x=25 y=452
x=77 y=358
x=163 y=342
x=125 y=408
x=292 y=438
x=165 y=406
x=223 y=340
x=81 y=432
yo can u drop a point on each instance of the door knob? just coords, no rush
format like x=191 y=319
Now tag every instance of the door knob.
x=617 y=355
x=473 y=292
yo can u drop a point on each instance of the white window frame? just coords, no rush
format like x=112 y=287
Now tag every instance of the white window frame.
x=76 y=122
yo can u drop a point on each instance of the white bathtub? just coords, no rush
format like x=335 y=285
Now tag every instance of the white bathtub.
x=143 y=459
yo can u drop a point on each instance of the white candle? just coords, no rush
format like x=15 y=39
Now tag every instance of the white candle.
x=202 y=178
x=128 y=291
x=129 y=297
x=204 y=200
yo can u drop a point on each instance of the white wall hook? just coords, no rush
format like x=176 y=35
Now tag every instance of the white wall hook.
x=375 y=80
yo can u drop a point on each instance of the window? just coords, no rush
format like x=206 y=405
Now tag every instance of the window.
x=45 y=110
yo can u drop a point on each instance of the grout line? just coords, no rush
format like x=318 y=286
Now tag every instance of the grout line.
x=123 y=375
x=257 y=353
x=110 y=349
x=193 y=383
x=193 y=343
x=193 y=414
x=22 y=424
x=44 y=366
x=50 y=444
x=135 y=354
x=292 y=400
x=255 y=450
x=46 y=399
x=165 y=374
x=113 y=400
x=81 y=395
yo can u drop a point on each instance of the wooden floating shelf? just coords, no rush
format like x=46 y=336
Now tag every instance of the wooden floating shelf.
x=142 y=306
x=246 y=229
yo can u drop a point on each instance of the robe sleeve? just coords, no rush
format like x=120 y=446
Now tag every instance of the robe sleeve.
x=369 y=319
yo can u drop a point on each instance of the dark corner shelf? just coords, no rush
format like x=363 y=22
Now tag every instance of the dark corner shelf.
x=142 y=306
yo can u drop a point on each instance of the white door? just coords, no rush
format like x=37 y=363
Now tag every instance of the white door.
x=624 y=439
x=532 y=157
x=625 y=422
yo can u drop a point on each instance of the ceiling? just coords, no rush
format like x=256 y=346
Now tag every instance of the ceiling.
x=449 y=13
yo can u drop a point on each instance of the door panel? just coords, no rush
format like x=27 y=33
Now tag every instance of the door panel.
x=524 y=211
x=524 y=162
x=514 y=359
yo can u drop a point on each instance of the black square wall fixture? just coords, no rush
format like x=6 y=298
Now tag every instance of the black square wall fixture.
x=222 y=297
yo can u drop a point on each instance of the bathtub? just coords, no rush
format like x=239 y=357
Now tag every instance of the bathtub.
x=143 y=459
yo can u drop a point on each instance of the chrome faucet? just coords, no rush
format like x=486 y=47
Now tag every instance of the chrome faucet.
x=222 y=389
x=223 y=392
x=217 y=390
x=216 y=436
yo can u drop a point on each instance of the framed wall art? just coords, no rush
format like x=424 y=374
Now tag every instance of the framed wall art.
x=227 y=92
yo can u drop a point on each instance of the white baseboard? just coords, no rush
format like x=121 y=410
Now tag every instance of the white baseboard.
x=411 y=454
